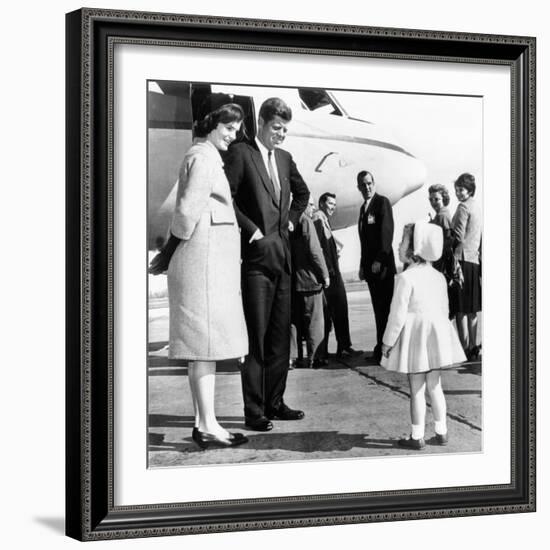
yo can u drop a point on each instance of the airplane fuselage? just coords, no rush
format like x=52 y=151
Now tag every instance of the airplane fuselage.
x=329 y=151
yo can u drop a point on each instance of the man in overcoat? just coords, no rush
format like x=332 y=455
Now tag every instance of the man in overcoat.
x=310 y=276
x=269 y=196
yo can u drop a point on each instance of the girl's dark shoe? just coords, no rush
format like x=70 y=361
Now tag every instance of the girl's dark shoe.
x=441 y=439
x=410 y=443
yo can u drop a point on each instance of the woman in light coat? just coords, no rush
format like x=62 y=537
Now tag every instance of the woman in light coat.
x=204 y=286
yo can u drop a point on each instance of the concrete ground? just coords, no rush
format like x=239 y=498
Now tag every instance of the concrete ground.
x=352 y=408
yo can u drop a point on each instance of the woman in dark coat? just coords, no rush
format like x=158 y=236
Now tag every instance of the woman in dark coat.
x=447 y=264
x=467 y=223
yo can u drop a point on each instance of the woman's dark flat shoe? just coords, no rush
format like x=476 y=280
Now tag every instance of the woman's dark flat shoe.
x=205 y=440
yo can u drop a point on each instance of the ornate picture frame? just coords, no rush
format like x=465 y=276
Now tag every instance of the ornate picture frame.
x=91 y=509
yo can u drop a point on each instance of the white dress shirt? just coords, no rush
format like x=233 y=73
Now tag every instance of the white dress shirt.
x=265 y=157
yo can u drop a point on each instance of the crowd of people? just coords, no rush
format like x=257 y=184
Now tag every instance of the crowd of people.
x=253 y=272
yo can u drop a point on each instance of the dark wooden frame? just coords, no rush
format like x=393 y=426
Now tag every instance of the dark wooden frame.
x=90 y=512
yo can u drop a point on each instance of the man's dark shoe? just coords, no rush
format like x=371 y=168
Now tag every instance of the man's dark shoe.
x=347 y=353
x=318 y=363
x=285 y=413
x=258 y=424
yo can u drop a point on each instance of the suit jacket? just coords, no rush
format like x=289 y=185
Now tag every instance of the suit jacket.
x=376 y=236
x=257 y=207
x=308 y=261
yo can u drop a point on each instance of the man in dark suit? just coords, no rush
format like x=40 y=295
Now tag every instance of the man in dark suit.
x=262 y=179
x=336 y=302
x=377 y=265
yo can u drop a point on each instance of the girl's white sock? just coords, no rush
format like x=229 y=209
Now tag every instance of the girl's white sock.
x=441 y=426
x=417 y=431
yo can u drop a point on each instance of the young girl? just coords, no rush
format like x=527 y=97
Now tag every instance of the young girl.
x=419 y=338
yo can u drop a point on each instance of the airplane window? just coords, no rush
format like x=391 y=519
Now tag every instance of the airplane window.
x=318 y=100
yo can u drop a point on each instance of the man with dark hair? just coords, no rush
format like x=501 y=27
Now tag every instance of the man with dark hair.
x=269 y=197
x=336 y=302
x=377 y=266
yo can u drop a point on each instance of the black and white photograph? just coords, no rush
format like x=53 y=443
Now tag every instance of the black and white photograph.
x=156 y=209
x=314 y=267
x=300 y=269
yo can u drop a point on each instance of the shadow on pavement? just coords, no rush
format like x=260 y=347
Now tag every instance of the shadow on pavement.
x=333 y=365
x=463 y=392
x=470 y=368
x=304 y=442
x=159 y=365
x=156 y=346
x=171 y=421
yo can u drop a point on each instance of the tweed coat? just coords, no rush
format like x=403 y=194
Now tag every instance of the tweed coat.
x=204 y=276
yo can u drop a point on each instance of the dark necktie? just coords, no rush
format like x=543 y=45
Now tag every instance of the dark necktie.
x=272 y=175
x=362 y=215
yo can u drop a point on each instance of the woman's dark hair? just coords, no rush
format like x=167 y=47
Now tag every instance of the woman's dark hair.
x=468 y=182
x=230 y=112
x=438 y=188
x=273 y=107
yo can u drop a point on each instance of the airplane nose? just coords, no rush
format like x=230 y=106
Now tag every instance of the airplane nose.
x=402 y=177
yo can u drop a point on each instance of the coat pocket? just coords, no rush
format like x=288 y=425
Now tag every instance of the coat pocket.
x=267 y=251
x=222 y=214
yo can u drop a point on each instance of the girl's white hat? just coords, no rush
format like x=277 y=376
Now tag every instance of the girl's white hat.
x=428 y=241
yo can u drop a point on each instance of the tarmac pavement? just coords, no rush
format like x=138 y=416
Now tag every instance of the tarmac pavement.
x=353 y=408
